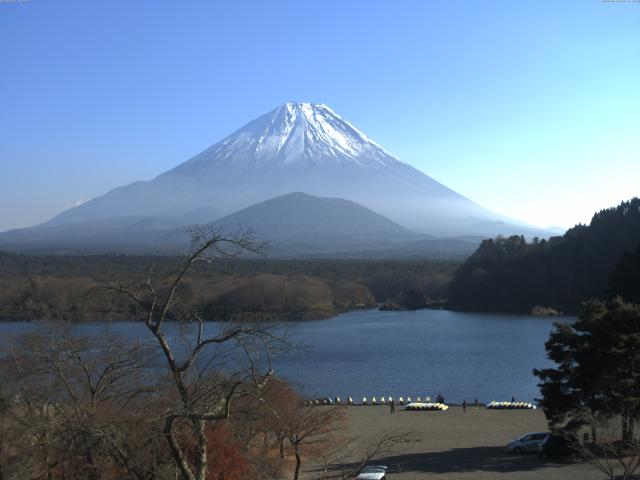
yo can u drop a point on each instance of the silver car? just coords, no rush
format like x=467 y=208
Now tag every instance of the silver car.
x=529 y=442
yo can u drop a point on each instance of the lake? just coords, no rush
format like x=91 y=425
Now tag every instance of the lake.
x=420 y=353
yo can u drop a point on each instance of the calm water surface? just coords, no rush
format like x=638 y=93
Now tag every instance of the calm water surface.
x=426 y=352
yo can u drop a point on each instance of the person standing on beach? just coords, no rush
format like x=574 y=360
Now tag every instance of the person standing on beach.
x=464 y=405
x=477 y=402
x=513 y=399
x=392 y=406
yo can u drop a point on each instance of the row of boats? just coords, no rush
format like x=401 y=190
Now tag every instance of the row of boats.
x=511 y=405
x=365 y=401
x=431 y=406
x=418 y=404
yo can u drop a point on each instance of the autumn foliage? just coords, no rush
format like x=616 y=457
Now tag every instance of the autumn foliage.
x=226 y=459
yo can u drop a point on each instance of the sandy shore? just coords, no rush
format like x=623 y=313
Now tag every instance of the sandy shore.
x=457 y=445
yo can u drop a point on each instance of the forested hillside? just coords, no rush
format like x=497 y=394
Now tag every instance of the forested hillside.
x=38 y=287
x=625 y=279
x=513 y=275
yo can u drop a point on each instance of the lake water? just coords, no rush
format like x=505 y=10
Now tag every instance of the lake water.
x=426 y=352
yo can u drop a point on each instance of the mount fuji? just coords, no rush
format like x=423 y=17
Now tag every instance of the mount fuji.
x=297 y=147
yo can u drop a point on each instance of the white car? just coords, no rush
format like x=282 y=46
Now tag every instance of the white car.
x=528 y=442
x=373 y=472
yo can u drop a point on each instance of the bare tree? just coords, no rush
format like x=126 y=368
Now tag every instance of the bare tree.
x=205 y=389
x=309 y=430
x=75 y=404
x=34 y=427
x=348 y=456
x=615 y=458
x=10 y=440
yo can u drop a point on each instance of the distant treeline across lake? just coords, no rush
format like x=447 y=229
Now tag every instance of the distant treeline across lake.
x=56 y=286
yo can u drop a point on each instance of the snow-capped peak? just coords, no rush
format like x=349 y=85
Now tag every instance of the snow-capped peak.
x=302 y=130
x=296 y=133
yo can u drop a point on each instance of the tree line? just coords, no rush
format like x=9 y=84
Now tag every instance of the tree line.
x=41 y=287
x=515 y=275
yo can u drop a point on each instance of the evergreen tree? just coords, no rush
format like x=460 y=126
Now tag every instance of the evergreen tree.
x=625 y=278
x=597 y=372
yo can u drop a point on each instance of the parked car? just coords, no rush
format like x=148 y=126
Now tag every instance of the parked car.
x=529 y=442
x=558 y=446
x=373 y=472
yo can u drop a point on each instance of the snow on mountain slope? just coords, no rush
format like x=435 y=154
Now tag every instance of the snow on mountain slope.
x=294 y=133
x=298 y=147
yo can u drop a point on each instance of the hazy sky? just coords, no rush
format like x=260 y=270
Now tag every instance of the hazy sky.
x=529 y=108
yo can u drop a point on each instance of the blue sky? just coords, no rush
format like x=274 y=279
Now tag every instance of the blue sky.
x=529 y=108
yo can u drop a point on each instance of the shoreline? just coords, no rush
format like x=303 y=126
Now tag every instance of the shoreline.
x=252 y=317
